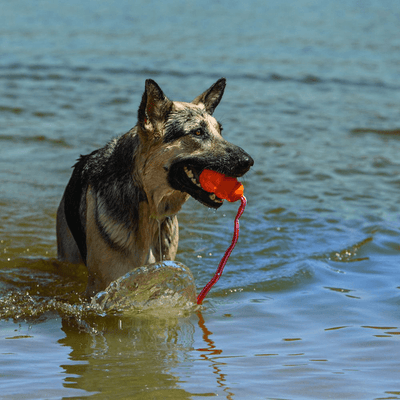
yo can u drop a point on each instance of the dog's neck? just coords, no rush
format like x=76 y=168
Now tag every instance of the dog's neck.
x=168 y=206
x=151 y=170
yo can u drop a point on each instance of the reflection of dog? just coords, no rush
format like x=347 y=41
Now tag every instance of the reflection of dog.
x=119 y=208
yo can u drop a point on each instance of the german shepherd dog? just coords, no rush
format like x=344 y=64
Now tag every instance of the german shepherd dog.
x=119 y=208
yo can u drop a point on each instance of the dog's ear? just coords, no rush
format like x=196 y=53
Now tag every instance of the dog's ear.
x=212 y=96
x=154 y=108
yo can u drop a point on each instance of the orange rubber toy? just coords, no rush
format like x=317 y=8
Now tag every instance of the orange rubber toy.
x=223 y=186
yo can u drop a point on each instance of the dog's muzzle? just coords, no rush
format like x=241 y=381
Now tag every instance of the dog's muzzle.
x=184 y=175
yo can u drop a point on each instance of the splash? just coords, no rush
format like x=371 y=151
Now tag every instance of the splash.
x=39 y=289
x=162 y=286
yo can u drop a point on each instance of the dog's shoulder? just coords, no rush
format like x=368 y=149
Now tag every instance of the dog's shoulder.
x=115 y=159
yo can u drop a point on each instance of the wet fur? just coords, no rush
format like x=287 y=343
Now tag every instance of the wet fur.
x=122 y=199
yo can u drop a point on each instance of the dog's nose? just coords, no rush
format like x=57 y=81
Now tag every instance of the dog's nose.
x=247 y=160
x=236 y=161
x=244 y=163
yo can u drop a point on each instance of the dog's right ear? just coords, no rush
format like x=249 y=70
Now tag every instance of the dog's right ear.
x=154 y=109
x=212 y=96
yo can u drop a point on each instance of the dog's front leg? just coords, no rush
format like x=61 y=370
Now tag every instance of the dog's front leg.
x=106 y=260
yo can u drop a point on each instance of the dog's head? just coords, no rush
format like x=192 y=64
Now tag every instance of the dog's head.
x=182 y=139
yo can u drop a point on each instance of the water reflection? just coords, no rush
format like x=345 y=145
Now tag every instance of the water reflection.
x=208 y=353
x=136 y=355
x=131 y=356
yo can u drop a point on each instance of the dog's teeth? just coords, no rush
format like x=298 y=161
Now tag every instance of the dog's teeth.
x=195 y=182
x=190 y=175
x=188 y=172
x=214 y=198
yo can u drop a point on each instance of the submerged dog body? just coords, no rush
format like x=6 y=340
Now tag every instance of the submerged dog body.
x=119 y=208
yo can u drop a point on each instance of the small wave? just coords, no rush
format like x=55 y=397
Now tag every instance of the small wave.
x=310 y=79
x=386 y=132
x=35 y=139
x=350 y=254
x=13 y=110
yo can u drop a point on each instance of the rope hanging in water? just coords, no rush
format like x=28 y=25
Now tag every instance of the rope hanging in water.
x=232 y=190
x=228 y=252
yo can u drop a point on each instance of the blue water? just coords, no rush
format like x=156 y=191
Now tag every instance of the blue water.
x=308 y=306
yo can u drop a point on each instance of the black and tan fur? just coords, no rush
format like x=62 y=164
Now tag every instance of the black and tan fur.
x=123 y=199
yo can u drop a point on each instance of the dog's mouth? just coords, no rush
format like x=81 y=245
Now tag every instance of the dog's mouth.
x=186 y=178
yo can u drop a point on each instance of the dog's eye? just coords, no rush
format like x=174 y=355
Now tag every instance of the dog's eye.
x=200 y=133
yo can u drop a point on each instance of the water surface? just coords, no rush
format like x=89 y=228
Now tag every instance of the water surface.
x=308 y=306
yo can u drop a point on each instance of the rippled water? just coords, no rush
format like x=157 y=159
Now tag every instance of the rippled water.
x=308 y=306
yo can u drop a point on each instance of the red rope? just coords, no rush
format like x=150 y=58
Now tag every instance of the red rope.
x=228 y=252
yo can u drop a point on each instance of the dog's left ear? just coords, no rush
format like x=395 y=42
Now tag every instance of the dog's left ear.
x=212 y=96
x=154 y=108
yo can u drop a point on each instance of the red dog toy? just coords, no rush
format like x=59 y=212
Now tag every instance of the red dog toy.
x=230 y=189
x=222 y=186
